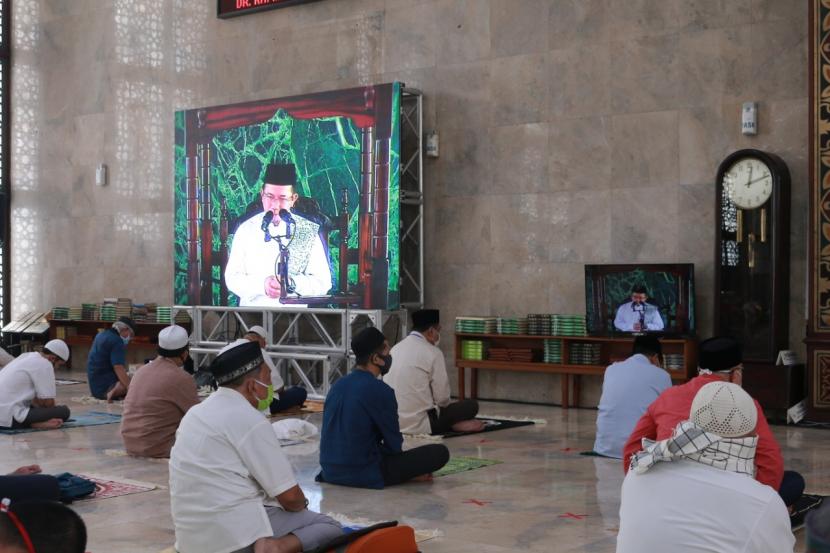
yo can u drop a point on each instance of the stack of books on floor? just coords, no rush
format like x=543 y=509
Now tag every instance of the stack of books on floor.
x=519 y=355
x=476 y=325
x=539 y=325
x=585 y=354
x=568 y=325
x=674 y=361
x=164 y=314
x=60 y=313
x=108 y=309
x=553 y=351
x=472 y=350
x=89 y=311
x=512 y=325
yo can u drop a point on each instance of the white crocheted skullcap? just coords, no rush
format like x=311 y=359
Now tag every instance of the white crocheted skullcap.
x=724 y=409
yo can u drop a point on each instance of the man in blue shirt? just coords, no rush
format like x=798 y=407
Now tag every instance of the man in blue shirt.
x=361 y=441
x=106 y=366
x=628 y=389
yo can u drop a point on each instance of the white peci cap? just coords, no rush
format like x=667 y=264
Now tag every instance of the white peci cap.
x=258 y=330
x=59 y=348
x=173 y=338
x=724 y=409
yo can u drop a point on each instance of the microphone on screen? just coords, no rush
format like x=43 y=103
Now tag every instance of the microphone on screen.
x=266 y=220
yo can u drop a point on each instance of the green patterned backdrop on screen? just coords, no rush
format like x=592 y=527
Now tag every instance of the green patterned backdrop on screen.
x=326 y=153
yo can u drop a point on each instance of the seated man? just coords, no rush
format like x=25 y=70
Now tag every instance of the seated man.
x=706 y=499
x=422 y=389
x=284 y=398
x=720 y=359
x=27 y=389
x=160 y=394
x=250 y=271
x=106 y=366
x=628 y=388
x=360 y=441
x=41 y=527
x=638 y=315
x=231 y=486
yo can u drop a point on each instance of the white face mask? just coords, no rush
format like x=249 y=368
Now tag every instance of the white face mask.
x=437 y=340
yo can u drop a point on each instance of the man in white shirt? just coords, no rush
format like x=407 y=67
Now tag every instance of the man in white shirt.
x=422 y=389
x=251 y=272
x=231 y=487
x=696 y=490
x=637 y=315
x=628 y=388
x=27 y=389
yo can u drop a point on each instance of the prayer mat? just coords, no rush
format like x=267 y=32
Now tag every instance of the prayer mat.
x=68 y=381
x=107 y=487
x=463 y=464
x=491 y=425
x=90 y=418
x=804 y=505
x=89 y=400
x=421 y=535
x=308 y=408
x=595 y=454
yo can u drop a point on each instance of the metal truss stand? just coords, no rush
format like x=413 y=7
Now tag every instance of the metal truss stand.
x=412 y=200
x=308 y=346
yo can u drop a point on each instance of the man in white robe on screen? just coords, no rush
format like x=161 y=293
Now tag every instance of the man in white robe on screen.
x=251 y=272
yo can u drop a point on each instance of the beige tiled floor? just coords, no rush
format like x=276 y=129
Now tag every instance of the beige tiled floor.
x=526 y=499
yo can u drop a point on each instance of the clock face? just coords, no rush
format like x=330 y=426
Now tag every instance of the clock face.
x=748 y=183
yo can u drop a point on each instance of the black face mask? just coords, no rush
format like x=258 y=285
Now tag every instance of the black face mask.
x=387 y=364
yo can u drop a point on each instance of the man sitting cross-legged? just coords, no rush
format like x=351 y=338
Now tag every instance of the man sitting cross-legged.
x=231 y=487
x=361 y=442
x=160 y=394
x=422 y=389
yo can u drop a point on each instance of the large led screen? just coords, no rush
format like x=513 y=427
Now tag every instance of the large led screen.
x=290 y=202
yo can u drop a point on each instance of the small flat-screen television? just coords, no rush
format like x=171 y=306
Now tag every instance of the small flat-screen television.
x=633 y=299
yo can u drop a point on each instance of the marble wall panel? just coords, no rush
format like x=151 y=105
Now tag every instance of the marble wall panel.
x=579 y=81
x=518 y=89
x=572 y=132
x=518 y=27
x=644 y=149
x=519 y=157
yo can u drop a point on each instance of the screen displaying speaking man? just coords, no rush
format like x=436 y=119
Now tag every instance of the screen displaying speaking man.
x=638 y=315
x=252 y=272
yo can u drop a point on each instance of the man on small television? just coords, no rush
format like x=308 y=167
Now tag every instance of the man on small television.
x=638 y=315
x=251 y=272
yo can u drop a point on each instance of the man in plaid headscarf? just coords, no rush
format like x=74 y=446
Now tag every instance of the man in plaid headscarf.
x=695 y=490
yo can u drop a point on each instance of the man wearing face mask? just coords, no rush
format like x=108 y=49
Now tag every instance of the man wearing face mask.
x=360 y=440
x=106 y=366
x=422 y=388
x=232 y=490
x=160 y=393
x=27 y=389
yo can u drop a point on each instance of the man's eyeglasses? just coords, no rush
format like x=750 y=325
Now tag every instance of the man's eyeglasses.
x=280 y=198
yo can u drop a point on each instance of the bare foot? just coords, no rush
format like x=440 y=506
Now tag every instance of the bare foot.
x=48 y=425
x=472 y=425
x=28 y=469
x=423 y=478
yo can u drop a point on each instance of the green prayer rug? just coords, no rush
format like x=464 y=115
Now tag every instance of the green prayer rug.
x=463 y=464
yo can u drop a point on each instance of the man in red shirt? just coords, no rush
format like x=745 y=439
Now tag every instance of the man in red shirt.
x=720 y=358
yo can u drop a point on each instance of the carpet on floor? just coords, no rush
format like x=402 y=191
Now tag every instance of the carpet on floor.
x=107 y=487
x=491 y=425
x=463 y=464
x=90 y=418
